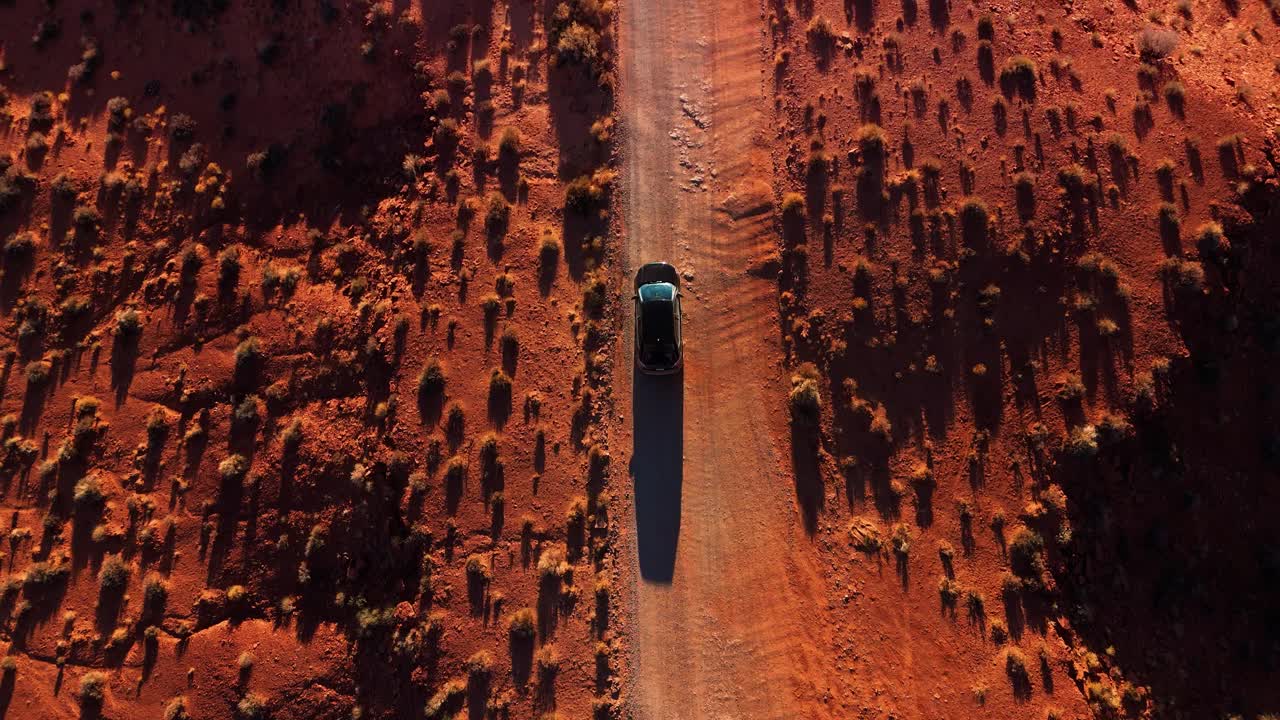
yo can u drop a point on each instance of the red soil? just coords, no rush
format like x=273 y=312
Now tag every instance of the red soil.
x=352 y=549
x=960 y=339
x=961 y=542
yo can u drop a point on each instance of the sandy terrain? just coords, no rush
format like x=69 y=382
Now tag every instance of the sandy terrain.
x=317 y=396
x=305 y=353
x=943 y=538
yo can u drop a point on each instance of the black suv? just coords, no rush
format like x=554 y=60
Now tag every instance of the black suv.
x=659 y=345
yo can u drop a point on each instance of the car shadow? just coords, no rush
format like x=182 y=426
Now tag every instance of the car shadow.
x=657 y=469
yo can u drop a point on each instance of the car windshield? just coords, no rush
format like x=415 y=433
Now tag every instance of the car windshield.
x=657 y=291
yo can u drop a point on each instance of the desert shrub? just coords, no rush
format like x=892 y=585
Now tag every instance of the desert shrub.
x=182 y=129
x=251 y=707
x=1155 y=42
x=455 y=419
x=581 y=196
x=1025 y=554
x=1176 y=95
x=88 y=494
x=37 y=372
x=246 y=412
x=248 y=358
x=509 y=144
x=431 y=381
x=63 y=188
x=157 y=428
x=1015 y=666
x=447 y=133
x=792 y=206
x=1170 y=224
x=499 y=385
x=1024 y=187
x=481 y=73
x=1164 y=171
x=92 y=688
x=948 y=592
x=986 y=61
x=233 y=468
x=128 y=324
x=548 y=251
x=577 y=44
x=19 y=248
x=291 y=436
x=1070 y=388
x=479 y=665
x=805 y=400
x=1075 y=181
x=552 y=564
x=1019 y=75
x=113 y=576
x=449 y=694
x=284 y=279
x=42 y=576
x=237 y=597
x=176 y=709
x=155 y=593
x=976 y=605
x=245 y=663
x=477 y=569
x=1211 y=242
x=974 y=223
x=497 y=214
x=986 y=27
x=228 y=269
x=509 y=342
x=523 y=625
x=873 y=145
x=821 y=34
x=1117 y=144
x=547 y=664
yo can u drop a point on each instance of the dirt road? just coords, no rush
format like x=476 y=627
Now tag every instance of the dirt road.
x=727 y=600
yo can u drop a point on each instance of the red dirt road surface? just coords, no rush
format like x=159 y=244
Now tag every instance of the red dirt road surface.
x=726 y=590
